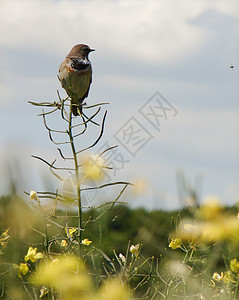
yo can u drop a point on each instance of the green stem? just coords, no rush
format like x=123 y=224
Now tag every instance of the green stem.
x=46 y=233
x=77 y=181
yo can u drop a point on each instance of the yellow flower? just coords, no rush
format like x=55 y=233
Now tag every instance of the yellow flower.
x=114 y=290
x=189 y=232
x=140 y=186
x=134 y=249
x=71 y=232
x=234 y=265
x=33 y=255
x=33 y=195
x=217 y=277
x=4 y=238
x=22 y=269
x=225 y=227
x=93 y=167
x=228 y=278
x=211 y=208
x=64 y=243
x=43 y=291
x=86 y=242
x=66 y=274
x=175 y=243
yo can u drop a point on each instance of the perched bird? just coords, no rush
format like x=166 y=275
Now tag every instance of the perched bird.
x=75 y=74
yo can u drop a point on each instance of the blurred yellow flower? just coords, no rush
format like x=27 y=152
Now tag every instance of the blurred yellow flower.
x=33 y=195
x=71 y=232
x=234 y=265
x=33 y=255
x=86 y=242
x=223 y=228
x=189 y=232
x=22 y=269
x=66 y=274
x=64 y=243
x=114 y=289
x=93 y=167
x=175 y=243
x=211 y=208
x=217 y=276
x=140 y=186
x=134 y=249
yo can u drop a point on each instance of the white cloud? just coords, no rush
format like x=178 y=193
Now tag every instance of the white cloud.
x=159 y=31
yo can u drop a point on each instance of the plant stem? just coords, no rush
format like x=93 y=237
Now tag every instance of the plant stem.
x=77 y=181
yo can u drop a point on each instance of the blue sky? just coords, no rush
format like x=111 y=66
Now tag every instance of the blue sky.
x=182 y=49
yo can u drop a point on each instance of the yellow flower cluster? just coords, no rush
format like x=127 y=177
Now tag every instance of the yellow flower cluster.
x=213 y=225
x=234 y=266
x=68 y=275
x=114 y=289
x=230 y=276
x=33 y=256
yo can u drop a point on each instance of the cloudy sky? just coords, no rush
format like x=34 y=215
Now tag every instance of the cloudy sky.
x=181 y=50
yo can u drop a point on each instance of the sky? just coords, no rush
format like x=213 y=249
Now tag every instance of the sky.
x=172 y=57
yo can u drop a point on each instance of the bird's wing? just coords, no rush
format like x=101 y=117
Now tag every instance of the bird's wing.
x=87 y=92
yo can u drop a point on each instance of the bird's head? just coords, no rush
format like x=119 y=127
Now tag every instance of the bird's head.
x=80 y=50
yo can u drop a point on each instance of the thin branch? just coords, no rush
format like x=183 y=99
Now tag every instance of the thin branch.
x=98 y=104
x=104 y=204
x=83 y=131
x=56 y=175
x=98 y=139
x=108 y=184
x=56 y=143
x=49 y=112
x=61 y=154
x=88 y=119
x=47 y=127
x=47 y=104
x=110 y=148
x=63 y=110
x=112 y=204
x=52 y=165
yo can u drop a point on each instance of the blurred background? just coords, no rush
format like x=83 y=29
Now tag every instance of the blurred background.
x=187 y=51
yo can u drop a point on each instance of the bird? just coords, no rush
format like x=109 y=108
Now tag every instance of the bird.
x=75 y=75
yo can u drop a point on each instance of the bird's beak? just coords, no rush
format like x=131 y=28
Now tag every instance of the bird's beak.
x=91 y=50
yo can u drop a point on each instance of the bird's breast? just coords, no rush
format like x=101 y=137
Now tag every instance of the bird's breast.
x=75 y=77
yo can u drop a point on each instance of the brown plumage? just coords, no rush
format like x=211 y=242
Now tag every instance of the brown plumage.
x=75 y=74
